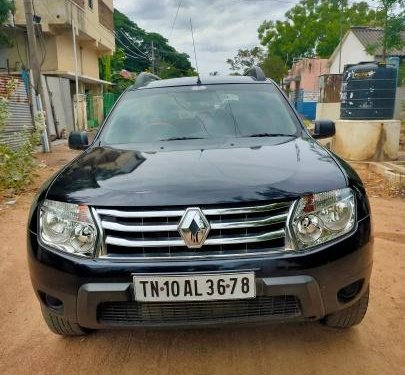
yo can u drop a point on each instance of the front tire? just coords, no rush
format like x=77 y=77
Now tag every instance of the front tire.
x=349 y=316
x=60 y=325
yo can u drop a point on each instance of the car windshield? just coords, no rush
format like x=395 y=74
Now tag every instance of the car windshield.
x=200 y=112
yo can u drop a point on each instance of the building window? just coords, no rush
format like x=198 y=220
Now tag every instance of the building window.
x=90 y=3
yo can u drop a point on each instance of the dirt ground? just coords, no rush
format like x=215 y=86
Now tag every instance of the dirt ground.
x=377 y=346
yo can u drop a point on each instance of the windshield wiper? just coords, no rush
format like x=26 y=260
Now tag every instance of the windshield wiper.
x=270 y=135
x=180 y=139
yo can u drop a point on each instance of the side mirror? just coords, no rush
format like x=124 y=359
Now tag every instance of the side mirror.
x=78 y=140
x=324 y=129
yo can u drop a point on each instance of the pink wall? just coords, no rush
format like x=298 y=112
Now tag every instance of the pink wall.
x=308 y=72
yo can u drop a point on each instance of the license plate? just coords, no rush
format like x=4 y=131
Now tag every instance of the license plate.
x=151 y=288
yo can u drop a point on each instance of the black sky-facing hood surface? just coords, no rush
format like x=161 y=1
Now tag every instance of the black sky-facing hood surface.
x=232 y=173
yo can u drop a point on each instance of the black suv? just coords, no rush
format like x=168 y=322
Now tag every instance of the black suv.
x=201 y=202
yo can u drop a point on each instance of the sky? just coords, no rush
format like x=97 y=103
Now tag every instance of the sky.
x=221 y=27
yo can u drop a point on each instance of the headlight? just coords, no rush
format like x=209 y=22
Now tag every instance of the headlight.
x=318 y=218
x=68 y=227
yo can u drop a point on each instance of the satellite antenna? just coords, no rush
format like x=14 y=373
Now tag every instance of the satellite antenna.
x=195 y=53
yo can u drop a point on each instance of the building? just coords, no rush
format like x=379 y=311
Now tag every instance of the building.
x=60 y=22
x=302 y=84
x=356 y=46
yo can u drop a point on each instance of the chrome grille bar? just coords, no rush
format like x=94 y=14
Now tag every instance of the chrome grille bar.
x=233 y=230
x=210 y=241
x=207 y=212
x=138 y=228
x=139 y=214
x=173 y=227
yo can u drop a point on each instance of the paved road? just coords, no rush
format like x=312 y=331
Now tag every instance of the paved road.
x=375 y=347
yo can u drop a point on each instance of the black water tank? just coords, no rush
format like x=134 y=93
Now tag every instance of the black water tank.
x=368 y=92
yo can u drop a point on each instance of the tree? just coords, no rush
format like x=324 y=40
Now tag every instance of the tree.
x=394 y=26
x=246 y=58
x=312 y=27
x=6 y=8
x=118 y=60
x=273 y=66
x=136 y=43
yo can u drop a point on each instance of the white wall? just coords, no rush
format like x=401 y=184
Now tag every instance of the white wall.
x=328 y=111
x=399 y=113
x=353 y=52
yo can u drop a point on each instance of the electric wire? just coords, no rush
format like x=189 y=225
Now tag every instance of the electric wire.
x=195 y=53
x=132 y=43
x=128 y=49
x=175 y=17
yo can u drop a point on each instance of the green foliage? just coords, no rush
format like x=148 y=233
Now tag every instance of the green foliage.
x=104 y=63
x=6 y=7
x=246 y=58
x=140 y=45
x=273 y=66
x=401 y=73
x=312 y=28
x=118 y=60
x=120 y=83
x=17 y=165
x=394 y=25
x=394 y=28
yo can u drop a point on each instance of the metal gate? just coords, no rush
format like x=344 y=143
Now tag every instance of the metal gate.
x=61 y=104
x=109 y=99
x=20 y=122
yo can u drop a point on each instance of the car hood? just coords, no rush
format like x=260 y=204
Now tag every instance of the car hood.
x=104 y=176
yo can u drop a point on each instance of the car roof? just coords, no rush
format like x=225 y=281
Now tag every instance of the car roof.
x=205 y=80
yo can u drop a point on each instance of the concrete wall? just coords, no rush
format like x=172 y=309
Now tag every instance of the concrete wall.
x=399 y=113
x=353 y=52
x=87 y=58
x=109 y=3
x=80 y=108
x=102 y=35
x=64 y=43
x=51 y=60
x=328 y=111
x=361 y=140
x=17 y=54
x=15 y=60
x=88 y=61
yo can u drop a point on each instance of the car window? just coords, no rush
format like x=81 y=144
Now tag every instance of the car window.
x=212 y=111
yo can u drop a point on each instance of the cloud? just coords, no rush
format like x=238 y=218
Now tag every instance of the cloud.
x=221 y=27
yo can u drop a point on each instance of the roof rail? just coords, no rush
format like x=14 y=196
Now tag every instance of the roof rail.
x=256 y=73
x=144 y=78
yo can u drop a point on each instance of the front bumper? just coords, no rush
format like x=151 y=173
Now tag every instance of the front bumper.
x=314 y=279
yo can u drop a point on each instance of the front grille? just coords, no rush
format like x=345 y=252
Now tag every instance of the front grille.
x=127 y=313
x=153 y=233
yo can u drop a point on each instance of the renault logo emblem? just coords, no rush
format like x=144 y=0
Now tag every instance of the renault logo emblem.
x=194 y=228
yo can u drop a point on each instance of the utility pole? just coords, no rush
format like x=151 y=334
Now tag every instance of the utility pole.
x=153 y=57
x=35 y=68
x=76 y=120
x=341 y=36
